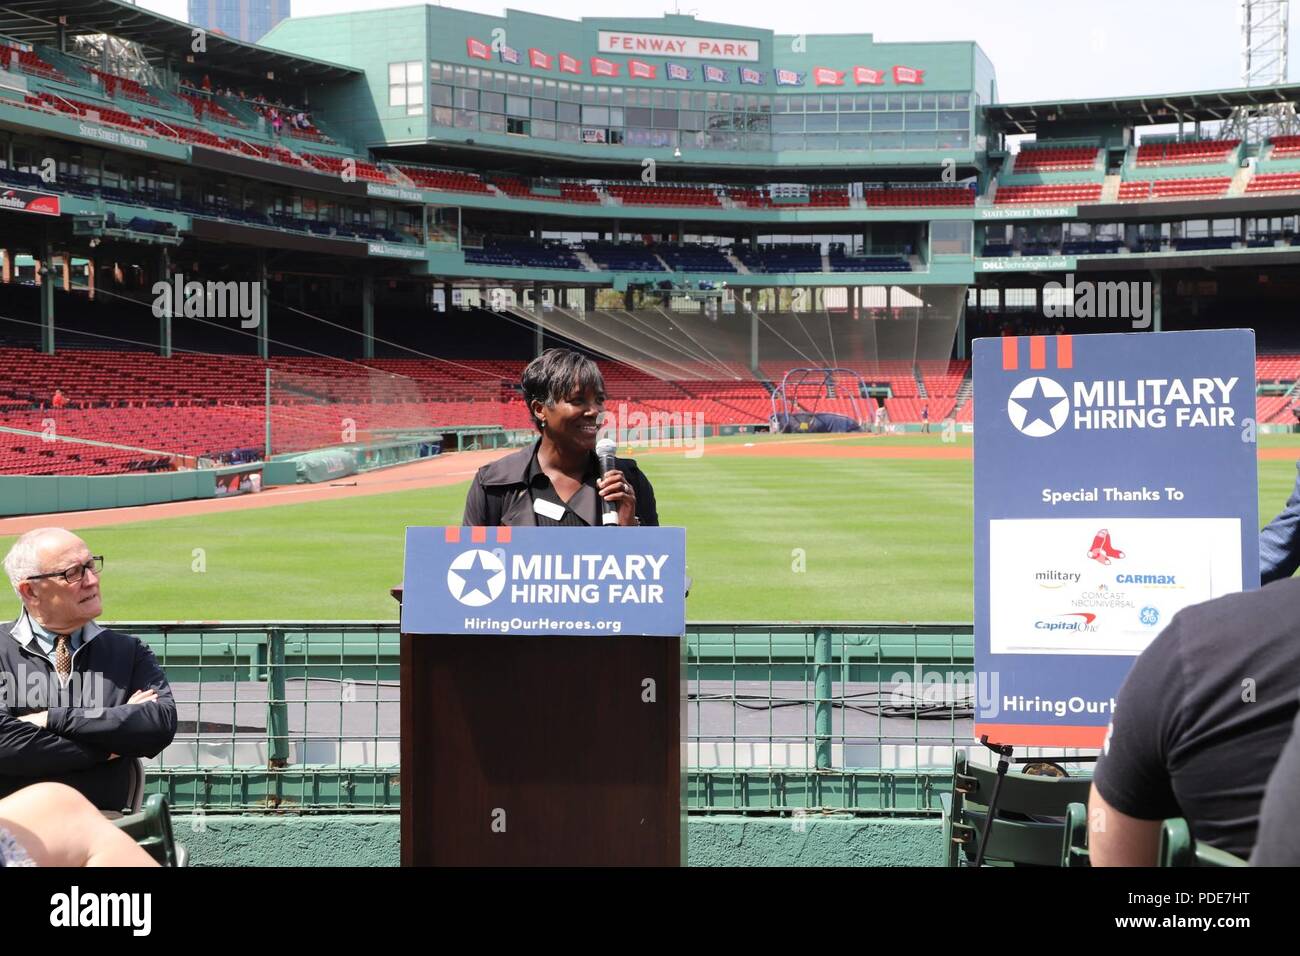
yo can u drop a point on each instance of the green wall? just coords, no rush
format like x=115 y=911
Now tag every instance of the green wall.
x=44 y=494
x=373 y=840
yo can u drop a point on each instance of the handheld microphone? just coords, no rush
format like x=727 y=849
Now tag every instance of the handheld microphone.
x=605 y=456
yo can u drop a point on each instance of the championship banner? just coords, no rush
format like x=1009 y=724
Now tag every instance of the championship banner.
x=865 y=76
x=1115 y=484
x=753 y=77
x=714 y=74
x=477 y=49
x=28 y=200
x=681 y=73
x=570 y=64
x=544 y=581
x=905 y=74
x=508 y=54
x=824 y=76
x=640 y=70
x=538 y=59
x=788 y=77
x=602 y=67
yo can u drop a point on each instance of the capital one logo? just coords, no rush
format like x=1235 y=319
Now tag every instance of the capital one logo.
x=1038 y=407
x=476 y=577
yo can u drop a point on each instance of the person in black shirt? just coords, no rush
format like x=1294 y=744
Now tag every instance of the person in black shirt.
x=1279 y=840
x=1199 y=725
x=556 y=481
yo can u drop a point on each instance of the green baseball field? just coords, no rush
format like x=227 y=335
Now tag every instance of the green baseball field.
x=778 y=528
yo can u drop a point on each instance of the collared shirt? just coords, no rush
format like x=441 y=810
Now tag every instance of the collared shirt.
x=580 y=511
x=28 y=631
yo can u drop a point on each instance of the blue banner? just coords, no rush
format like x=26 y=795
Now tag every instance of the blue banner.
x=545 y=581
x=1115 y=484
x=714 y=74
x=678 y=72
x=788 y=77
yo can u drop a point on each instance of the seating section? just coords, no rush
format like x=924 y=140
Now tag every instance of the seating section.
x=928 y=195
x=1274 y=182
x=523 y=253
x=841 y=261
x=336 y=165
x=1197 y=151
x=444 y=179
x=28 y=62
x=691 y=257
x=754 y=197
x=202 y=404
x=1049 y=193
x=1285 y=147
x=828 y=197
x=797 y=257
x=1200 y=186
x=1055 y=158
x=623 y=257
x=206 y=106
x=644 y=194
x=579 y=192
x=132 y=90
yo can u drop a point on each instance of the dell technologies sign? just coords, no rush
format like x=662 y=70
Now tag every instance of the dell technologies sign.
x=545 y=581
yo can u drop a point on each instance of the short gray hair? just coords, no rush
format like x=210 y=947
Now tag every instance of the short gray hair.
x=22 y=561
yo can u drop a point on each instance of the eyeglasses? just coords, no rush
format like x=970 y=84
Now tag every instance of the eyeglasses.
x=74 y=574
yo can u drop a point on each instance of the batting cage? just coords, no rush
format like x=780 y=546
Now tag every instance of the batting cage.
x=821 y=400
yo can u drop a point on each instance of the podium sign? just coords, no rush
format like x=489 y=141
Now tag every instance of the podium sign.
x=1115 y=484
x=541 y=696
x=545 y=581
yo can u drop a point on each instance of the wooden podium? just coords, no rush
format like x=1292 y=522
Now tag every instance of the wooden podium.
x=540 y=750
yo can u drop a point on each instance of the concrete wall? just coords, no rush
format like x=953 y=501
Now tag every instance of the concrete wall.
x=373 y=840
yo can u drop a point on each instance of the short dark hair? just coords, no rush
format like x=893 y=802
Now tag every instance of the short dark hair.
x=555 y=374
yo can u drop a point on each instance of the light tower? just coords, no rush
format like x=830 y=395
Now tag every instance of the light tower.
x=1264 y=29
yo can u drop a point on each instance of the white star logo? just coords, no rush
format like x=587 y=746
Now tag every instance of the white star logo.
x=476 y=577
x=1038 y=407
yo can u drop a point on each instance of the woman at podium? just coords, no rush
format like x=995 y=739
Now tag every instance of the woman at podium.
x=559 y=481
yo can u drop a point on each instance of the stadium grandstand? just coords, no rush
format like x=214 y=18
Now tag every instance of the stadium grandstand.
x=416 y=229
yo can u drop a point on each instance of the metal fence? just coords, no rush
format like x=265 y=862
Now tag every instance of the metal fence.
x=305 y=716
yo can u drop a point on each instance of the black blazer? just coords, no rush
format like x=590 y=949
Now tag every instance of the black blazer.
x=499 y=495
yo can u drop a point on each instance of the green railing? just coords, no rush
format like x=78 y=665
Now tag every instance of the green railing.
x=779 y=717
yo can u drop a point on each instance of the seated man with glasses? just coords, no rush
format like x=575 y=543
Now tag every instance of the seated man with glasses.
x=78 y=702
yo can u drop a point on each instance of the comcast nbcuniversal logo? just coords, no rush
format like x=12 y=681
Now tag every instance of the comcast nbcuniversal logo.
x=476 y=578
x=1038 y=407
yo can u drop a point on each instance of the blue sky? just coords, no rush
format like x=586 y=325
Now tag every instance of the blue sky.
x=1042 y=50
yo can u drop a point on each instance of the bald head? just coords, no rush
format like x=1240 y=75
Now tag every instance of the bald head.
x=56 y=603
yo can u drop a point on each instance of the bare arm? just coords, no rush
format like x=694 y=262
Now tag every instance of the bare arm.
x=1116 y=839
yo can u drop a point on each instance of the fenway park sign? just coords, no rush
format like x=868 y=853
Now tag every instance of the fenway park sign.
x=666 y=44
x=26 y=200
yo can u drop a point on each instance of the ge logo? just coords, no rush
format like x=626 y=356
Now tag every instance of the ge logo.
x=476 y=578
x=1150 y=616
x=1038 y=407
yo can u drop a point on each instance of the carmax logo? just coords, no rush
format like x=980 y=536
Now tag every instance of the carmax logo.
x=1079 y=621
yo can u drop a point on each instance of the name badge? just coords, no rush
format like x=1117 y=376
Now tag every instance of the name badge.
x=548 y=509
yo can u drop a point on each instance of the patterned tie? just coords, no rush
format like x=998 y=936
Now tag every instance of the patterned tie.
x=62 y=658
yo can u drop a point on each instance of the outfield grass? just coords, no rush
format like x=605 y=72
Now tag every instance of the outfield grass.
x=882 y=539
